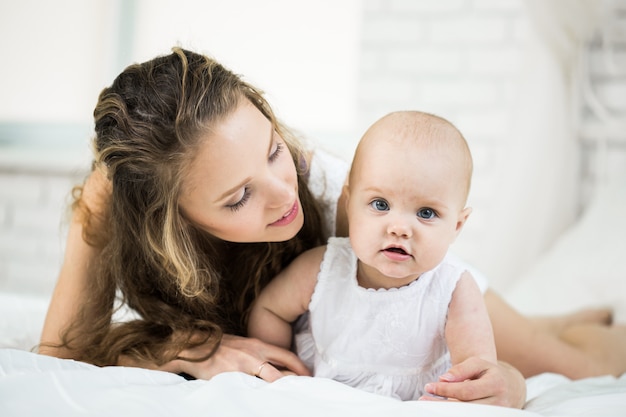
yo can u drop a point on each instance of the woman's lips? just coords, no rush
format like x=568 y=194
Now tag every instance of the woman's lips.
x=289 y=217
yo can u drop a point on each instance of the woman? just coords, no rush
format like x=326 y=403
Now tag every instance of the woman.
x=197 y=198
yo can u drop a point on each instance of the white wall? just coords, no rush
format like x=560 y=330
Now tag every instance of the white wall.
x=58 y=55
x=466 y=60
x=302 y=54
x=331 y=68
x=458 y=59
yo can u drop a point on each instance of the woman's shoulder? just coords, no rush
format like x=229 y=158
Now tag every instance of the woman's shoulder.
x=331 y=165
x=327 y=175
x=97 y=189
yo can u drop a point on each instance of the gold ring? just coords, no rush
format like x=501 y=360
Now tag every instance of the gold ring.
x=258 y=371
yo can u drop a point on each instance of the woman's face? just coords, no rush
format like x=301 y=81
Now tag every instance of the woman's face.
x=242 y=185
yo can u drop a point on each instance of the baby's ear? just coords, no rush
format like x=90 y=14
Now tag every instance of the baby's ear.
x=341 y=227
x=463 y=215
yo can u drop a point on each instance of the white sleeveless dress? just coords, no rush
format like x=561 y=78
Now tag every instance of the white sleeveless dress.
x=389 y=342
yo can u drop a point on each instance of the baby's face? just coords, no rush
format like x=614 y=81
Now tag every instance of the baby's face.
x=405 y=208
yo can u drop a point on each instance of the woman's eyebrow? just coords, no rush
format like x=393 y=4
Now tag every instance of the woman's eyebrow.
x=230 y=191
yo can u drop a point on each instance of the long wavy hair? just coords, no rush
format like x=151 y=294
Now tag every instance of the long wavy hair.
x=186 y=286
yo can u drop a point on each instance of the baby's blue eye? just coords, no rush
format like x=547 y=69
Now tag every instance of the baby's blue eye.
x=426 y=213
x=380 y=205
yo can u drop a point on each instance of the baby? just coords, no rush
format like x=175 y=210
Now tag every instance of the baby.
x=389 y=308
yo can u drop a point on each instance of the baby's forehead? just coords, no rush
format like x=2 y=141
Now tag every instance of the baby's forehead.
x=414 y=134
x=414 y=142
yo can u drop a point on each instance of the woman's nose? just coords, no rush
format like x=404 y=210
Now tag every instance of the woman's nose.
x=282 y=193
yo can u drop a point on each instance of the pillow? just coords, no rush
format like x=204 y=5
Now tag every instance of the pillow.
x=586 y=267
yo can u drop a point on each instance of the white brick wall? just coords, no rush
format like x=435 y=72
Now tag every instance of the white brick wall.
x=34 y=198
x=452 y=58
x=462 y=59
x=607 y=66
x=458 y=59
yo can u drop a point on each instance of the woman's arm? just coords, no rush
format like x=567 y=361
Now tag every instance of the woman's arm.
x=77 y=268
x=235 y=354
x=480 y=381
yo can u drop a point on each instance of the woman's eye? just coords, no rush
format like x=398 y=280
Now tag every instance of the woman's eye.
x=242 y=201
x=379 y=205
x=274 y=155
x=426 y=213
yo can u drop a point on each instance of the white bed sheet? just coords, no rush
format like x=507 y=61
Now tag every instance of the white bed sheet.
x=32 y=384
x=37 y=385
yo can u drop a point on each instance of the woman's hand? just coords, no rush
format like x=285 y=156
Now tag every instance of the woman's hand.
x=480 y=381
x=242 y=354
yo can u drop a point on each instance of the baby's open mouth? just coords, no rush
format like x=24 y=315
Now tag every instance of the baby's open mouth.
x=397 y=250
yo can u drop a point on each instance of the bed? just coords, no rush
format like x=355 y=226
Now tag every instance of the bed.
x=32 y=384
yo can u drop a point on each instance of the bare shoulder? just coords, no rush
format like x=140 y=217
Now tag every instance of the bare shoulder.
x=466 y=295
x=467 y=284
x=309 y=260
x=294 y=284
x=96 y=190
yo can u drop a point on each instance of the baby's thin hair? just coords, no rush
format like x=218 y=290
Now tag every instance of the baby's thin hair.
x=417 y=127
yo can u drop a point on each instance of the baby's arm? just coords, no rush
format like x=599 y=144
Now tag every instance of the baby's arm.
x=285 y=298
x=468 y=328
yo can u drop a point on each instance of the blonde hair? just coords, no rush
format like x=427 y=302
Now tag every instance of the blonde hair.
x=187 y=286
